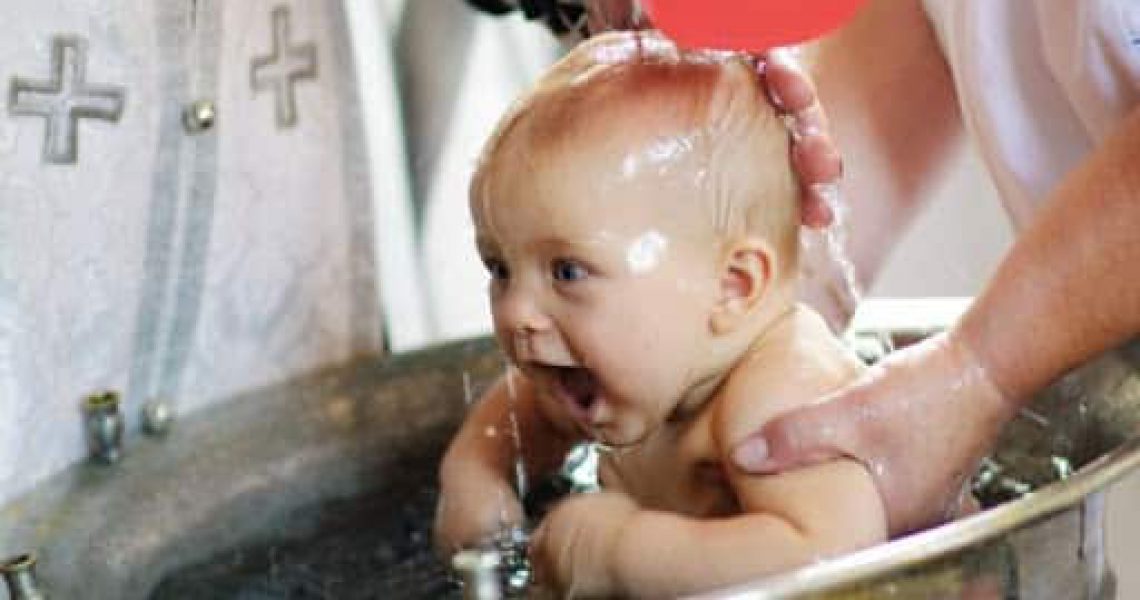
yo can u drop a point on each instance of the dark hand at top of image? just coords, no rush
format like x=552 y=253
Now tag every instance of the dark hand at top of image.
x=571 y=17
x=815 y=157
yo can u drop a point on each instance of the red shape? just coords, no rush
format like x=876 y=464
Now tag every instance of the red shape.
x=748 y=25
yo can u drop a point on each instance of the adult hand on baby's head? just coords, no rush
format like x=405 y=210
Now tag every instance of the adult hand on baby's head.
x=814 y=155
x=920 y=422
x=573 y=550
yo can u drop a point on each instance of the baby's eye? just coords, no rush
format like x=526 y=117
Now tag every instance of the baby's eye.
x=496 y=268
x=567 y=270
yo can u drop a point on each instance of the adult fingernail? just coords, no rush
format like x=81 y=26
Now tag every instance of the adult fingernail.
x=777 y=101
x=785 y=57
x=752 y=454
x=802 y=130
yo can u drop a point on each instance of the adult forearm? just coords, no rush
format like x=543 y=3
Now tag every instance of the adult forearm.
x=891 y=102
x=1069 y=289
x=887 y=91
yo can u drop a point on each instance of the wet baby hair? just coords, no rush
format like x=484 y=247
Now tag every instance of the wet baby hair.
x=705 y=106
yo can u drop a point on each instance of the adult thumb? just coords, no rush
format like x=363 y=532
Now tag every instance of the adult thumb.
x=804 y=436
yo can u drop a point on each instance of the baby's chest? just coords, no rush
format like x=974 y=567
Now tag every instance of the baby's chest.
x=677 y=470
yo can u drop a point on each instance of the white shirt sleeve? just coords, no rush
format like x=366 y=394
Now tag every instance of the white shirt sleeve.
x=1040 y=83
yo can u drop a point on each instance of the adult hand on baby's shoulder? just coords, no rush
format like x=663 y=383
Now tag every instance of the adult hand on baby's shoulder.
x=919 y=421
x=814 y=154
x=572 y=551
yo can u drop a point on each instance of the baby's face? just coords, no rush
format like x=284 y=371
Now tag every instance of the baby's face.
x=602 y=282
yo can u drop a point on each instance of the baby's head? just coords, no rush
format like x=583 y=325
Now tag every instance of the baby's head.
x=632 y=106
x=639 y=219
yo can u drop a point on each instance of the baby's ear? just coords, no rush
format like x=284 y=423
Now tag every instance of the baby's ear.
x=746 y=273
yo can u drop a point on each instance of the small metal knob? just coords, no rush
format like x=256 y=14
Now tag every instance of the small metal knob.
x=20 y=575
x=479 y=570
x=104 y=423
x=157 y=416
x=199 y=116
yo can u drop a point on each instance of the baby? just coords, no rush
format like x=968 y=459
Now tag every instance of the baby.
x=638 y=217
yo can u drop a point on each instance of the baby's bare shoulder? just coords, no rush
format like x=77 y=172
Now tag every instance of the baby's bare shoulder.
x=801 y=362
x=821 y=355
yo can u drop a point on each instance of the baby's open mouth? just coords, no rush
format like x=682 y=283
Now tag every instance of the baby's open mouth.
x=575 y=387
x=578 y=385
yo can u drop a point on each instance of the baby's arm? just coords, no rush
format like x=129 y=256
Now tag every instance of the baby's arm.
x=477 y=476
x=608 y=546
x=794 y=520
x=787 y=520
x=603 y=544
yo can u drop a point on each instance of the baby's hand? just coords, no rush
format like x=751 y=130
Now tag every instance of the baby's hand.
x=573 y=551
x=465 y=520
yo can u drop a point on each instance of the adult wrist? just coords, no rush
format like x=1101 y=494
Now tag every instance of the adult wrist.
x=978 y=378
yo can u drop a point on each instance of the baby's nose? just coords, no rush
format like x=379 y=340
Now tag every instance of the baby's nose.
x=520 y=314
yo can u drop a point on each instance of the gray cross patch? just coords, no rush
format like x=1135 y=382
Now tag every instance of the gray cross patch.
x=64 y=99
x=284 y=66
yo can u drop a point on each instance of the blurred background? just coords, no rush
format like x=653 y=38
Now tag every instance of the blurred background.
x=314 y=222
